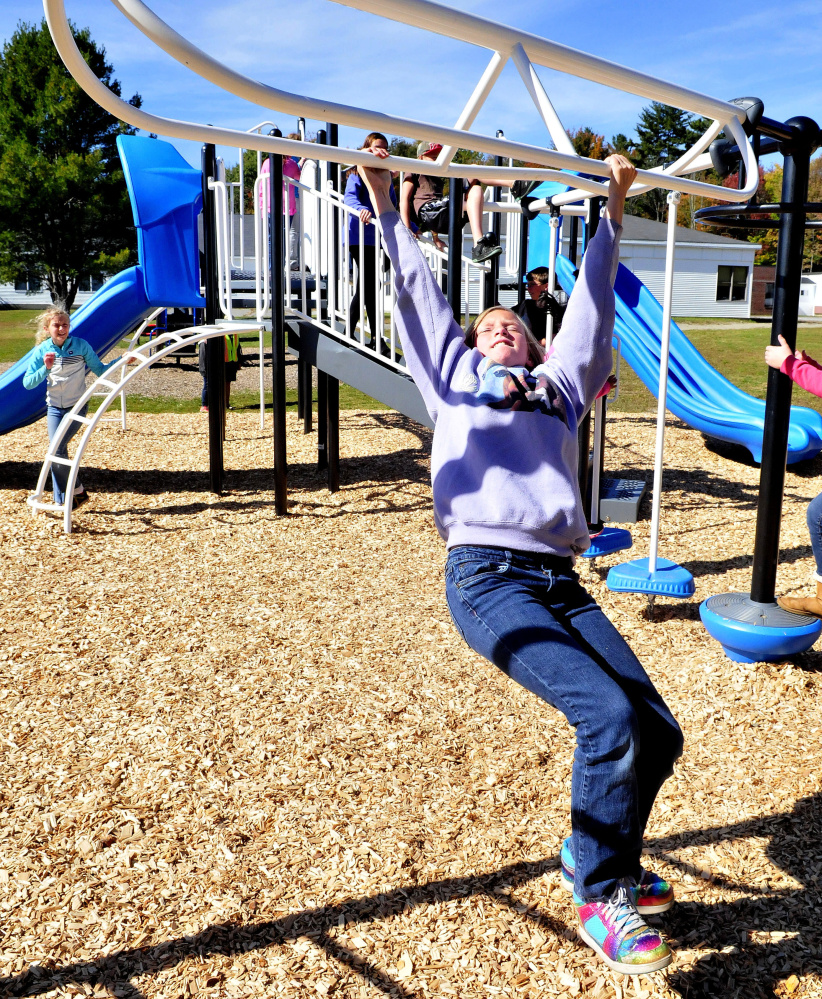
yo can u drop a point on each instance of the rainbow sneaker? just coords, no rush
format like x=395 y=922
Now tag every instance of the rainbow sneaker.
x=620 y=935
x=653 y=894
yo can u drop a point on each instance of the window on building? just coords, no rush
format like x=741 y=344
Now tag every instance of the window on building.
x=769 y=288
x=31 y=282
x=731 y=284
x=91 y=284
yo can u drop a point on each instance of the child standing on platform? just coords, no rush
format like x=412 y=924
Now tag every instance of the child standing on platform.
x=507 y=503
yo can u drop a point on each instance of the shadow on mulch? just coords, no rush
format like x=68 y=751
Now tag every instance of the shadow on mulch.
x=743 y=961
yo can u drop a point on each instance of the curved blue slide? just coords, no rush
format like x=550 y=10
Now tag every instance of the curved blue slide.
x=166 y=199
x=697 y=393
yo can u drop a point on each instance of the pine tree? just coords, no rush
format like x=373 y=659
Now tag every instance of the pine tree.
x=664 y=133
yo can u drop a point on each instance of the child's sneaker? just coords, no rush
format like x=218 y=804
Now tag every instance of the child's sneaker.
x=619 y=934
x=486 y=248
x=653 y=894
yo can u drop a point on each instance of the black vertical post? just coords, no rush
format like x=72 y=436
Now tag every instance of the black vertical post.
x=599 y=429
x=573 y=237
x=322 y=378
x=333 y=385
x=523 y=260
x=797 y=153
x=300 y=386
x=322 y=420
x=307 y=392
x=455 y=212
x=492 y=277
x=584 y=432
x=276 y=240
x=215 y=347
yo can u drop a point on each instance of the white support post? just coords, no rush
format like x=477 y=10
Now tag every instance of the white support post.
x=534 y=86
x=475 y=102
x=662 y=397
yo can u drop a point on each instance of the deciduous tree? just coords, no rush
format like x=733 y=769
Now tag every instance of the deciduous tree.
x=64 y=212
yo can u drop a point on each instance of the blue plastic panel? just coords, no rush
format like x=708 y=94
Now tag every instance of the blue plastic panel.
x=667 y=580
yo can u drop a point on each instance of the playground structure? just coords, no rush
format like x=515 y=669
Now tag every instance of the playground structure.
x=317 y=319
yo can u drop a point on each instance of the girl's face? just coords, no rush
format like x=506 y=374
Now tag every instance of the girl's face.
x=58 y=329
x=500 y=337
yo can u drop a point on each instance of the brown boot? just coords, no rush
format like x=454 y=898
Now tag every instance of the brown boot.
x=804 y=605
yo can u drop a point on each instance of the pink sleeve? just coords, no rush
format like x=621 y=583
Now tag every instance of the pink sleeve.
x=806 y=374
x=290 y=169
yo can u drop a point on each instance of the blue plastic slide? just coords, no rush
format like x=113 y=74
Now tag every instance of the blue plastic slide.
x=697 y=392
x=166 y=198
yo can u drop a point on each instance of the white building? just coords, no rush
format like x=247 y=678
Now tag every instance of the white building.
x=713 y=275
x=30 y=294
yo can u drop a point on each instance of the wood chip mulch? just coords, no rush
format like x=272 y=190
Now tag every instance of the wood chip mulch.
x=244 y=755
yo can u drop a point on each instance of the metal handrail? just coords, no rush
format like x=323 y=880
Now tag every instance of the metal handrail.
x=146 y=355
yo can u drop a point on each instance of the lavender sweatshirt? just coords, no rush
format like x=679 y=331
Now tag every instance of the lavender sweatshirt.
x=503 y=477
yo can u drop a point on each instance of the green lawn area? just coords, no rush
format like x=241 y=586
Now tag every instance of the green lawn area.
x=734 y=347
x=17 y=331
x=737 y=353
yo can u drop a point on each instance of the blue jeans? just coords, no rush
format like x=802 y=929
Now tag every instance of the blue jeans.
x=528 y=614
x=814 y=518
x=60 y=473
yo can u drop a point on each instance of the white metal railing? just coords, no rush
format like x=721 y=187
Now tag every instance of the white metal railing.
x=135 y=338
x=324 y=228
x=445 y=20
x=144 y=355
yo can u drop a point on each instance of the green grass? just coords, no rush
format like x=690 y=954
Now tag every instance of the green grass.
x=737 y=353
x=17 y=330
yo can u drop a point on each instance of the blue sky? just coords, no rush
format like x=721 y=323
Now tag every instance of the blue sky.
x=321 y=49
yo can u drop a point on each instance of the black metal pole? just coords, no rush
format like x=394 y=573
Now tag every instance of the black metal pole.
x=333 y=385
x=492 y=276
x=788 y=279
x=322 y=420
x=305 y=373
x=322 y=379
x=455 y=212
x=333 y=442
x=275 y=235
x=573 y=237
x=215 y=347
x=584 y=431
x=523 y=259
x=300 y=386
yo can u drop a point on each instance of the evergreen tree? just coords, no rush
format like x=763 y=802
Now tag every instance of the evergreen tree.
x=663 y=133
x=64 y=211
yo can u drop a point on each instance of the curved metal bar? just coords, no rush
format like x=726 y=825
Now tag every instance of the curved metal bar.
x=182 y=50
x=741 y=217
x=147 y=359
x=489 y=34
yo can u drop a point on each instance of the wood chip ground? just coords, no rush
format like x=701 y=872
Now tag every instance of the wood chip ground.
x=244 y=755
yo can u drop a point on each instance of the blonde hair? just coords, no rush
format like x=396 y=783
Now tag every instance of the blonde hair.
x=536 y=352
x=45 y=318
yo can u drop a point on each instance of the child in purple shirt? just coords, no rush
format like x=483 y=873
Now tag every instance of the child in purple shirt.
x=507 y=503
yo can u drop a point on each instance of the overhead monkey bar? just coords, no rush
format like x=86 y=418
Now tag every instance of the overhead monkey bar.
x=500 y=39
